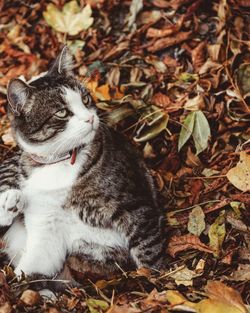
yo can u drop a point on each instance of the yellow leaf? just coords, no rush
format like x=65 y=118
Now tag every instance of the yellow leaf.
x=102 y=92
x=70 y=20
x=213 y=306
x=217 y=232
x=221 y=299
x=239 y=175
x=217 y=291
x=175 y=298
x=97 y=306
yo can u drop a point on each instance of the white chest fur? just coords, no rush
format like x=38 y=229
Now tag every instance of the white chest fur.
x=56 y=176
x=45 y=192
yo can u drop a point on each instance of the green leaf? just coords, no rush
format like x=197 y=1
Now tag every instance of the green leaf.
x=201 y=132
x=151 y=132
x=186 y=130
x=119 y=114
x=187 y=77
x=75 y=45
x=196 y=222
x=243 y=78
x=97 y=306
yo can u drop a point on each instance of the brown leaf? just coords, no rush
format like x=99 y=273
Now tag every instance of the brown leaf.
x=30 y=297
x=222 y=293
x=161 y=100
x=164 y=43
x=116 y=50
x=6 y=308
x=165 y=31
x=198 y=55
x=180 y=243
x=242 y=273
x=125 y=308
x=154 y=299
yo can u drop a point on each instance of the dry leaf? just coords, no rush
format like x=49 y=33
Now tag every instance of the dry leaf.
x=166 y=31
x=30 y=297
x=180 y=243
x=184 y=276
x=135 y=7
x=71 y=20
x=216 y=233
x=195 y=104
x=196 y=221
x=125 y=308
x=220 y=292
x=222 y=299
x=198 y=55
x=6 y=308
x=242 y=273
x=169 y=41
x=116 y=50
x=239 y=175
x=161 y=100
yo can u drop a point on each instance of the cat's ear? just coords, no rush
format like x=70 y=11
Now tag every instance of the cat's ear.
x=63 y=64
x=17 y=94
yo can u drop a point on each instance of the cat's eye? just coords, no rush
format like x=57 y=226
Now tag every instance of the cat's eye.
x=86 y=99
x=62 y=113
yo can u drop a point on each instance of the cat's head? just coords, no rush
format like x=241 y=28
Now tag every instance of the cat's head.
x=52 y=114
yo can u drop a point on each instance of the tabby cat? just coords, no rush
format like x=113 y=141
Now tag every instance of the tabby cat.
x=77 y=187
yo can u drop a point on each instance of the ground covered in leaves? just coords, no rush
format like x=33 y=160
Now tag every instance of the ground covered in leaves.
x=174 y=77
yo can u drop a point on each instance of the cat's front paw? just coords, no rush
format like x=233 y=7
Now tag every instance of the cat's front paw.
x=11 y=204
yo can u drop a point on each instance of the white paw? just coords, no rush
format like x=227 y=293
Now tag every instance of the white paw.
x=11 y=204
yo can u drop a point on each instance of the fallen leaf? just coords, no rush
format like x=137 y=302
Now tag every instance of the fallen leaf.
x=149 y=17
x=97 y=306
x=198 y=55
x=186 y=242
x=243 y=78
x=194 y=104
x=161 y=100
x=135 y=7
x=8 y=139
x=71 y=20
x=201 y=132
x=125 y=308
x=221 y=299
x=216 y=290
x=30 y=297
x=242 y=273
x=116 y=50
x=120 y=114
x=186 y=130
x=184 y=276
x=165 y=31
x=196 y=222
x=6 y=308
x=239 y=175
x=216 y=234
x=164 y=43
x=152 y=131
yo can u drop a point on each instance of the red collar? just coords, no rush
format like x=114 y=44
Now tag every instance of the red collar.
x=47 y=161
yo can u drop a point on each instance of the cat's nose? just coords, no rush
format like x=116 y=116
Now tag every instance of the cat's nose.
x=90 y=119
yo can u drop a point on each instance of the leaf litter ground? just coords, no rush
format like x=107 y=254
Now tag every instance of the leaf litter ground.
x=174 y=77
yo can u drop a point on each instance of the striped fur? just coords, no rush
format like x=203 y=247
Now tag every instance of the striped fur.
x=102 y=211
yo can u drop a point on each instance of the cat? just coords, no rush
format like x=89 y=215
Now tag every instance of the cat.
x=76 y=187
